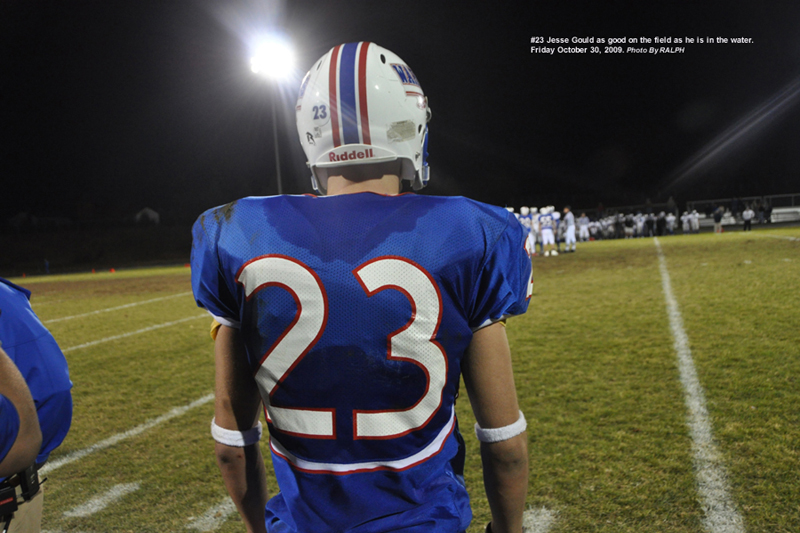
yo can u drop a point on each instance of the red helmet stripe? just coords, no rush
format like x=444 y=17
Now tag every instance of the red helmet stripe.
x=362 y=93
x=333 y=98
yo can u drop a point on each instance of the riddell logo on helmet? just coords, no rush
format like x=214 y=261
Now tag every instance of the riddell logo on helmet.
x=352 y=155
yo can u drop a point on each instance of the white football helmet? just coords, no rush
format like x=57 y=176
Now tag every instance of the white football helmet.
x=534 y=210
x=361 y=104
x=524 y=210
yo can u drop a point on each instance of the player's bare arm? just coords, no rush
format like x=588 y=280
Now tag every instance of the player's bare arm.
x=236 y=409
x=490 y=384
x=29 y=439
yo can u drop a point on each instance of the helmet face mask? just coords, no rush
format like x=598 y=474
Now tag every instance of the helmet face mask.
x=360 y=104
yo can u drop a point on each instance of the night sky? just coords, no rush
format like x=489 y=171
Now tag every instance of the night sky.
x=110 y=106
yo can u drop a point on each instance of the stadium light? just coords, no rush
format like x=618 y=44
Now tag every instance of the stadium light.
x=274 y=59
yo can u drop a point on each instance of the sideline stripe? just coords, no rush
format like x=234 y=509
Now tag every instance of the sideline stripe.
x=538 y=520
x=134 y=304
x=214 y=517
x=98 y=503
x=786 y=237
x=119 y=437
x=720 y=511
x=130 y=334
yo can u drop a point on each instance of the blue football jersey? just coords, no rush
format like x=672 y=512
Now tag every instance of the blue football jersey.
x=9 y=426
x=40 y=361
x=356 y=311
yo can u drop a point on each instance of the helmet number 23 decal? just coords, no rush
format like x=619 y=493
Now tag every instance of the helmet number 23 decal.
x=414 y=342
x=320 y=114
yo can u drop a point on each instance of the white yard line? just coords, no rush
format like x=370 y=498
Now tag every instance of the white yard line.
x=786 y=237
x=98 y=503
x=126 y=306
x=214 y=517
x=720 y=511
x=130 y=334
x=538 y=520
x=119 y=437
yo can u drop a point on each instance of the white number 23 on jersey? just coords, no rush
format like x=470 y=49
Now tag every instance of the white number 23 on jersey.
x=413 y=343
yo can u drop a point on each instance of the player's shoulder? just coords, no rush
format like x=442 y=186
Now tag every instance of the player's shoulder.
x=13 y=300
x=239 y=212
x=18 y=323
x=9 y=290
x=461 y=208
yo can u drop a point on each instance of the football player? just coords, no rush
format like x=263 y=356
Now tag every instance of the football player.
x=569 y=233
x=526 y=219
x=351 y=316
x=583 y=226
x=547 y=228
x=40 y=362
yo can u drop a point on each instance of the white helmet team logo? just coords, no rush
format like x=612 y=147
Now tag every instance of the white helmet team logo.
x=361 y=104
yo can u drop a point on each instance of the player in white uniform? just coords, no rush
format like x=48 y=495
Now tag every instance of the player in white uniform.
x=583 y=228
x=535 y=235
x=694 y=221
x=558 y=230
x=671 y=223
x=547 y=227
x=569 y=236
x=526 y=219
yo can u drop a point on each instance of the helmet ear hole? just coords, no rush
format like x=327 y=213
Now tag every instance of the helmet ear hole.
x=383 y=59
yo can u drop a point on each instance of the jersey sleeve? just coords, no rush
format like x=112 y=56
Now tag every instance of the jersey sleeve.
x=504 y=283
x=9 y=426
x=211 y=291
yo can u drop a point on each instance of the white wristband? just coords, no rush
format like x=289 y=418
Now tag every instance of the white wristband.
x=238 y=439
x=503 y=433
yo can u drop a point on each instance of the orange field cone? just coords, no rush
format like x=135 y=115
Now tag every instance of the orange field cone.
x=112 y=270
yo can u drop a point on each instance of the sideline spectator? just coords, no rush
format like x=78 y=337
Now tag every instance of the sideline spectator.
x=661 y=224
x=650 y=224
x=718 y=219
x=747 y=217
x=42 y=365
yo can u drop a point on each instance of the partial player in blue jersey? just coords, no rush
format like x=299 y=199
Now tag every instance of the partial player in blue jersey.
x=351 y=317
x=33 y=350
x=20 y=436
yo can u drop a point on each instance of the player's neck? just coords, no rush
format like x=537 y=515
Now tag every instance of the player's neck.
x=387 y=184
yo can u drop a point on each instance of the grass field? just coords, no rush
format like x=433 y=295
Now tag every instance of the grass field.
x=597 y=376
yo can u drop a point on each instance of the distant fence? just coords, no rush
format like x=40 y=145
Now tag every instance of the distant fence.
x=785 y=207
x=737 y=205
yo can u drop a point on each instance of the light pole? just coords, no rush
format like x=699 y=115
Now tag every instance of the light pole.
x=275 y=95
x=274 y=59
